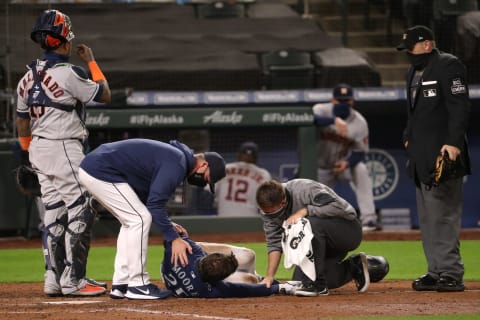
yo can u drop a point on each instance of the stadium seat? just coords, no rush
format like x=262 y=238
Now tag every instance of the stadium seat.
x=287 y=69
x=336 y=65
x=220 y=9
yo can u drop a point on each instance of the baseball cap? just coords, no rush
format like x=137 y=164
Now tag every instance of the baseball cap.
x=216 y=163
x=249 y=148
x=413 y=35
x=343 y=91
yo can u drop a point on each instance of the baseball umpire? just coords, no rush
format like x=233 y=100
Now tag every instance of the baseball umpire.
x=51 y=128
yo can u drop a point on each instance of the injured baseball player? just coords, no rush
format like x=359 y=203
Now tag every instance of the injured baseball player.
x=217 y=270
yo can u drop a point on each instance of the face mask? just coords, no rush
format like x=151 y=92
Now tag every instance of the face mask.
x=341 y=110
x=197 y=179
x=418 y=61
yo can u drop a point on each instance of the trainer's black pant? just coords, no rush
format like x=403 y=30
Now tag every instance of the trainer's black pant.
x=333 y=239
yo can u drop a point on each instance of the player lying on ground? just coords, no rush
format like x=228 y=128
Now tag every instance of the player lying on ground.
x=216 y=271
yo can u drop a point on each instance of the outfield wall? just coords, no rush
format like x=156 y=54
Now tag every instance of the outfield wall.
x=281 y=123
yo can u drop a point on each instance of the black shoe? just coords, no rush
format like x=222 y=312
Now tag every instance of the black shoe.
x=359 y=268
x=425 y=283
x=311 y=290
x=448 y=284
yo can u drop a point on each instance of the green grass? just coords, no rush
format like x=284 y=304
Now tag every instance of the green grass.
x=405 y=257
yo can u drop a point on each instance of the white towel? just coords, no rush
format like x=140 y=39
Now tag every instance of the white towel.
x=297 y=247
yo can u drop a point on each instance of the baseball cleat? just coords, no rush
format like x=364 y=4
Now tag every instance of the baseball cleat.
x=88 y=291
x=94 y=282
x=311 y=290
x=289 y=287
x=118 y=291
x=148 y=292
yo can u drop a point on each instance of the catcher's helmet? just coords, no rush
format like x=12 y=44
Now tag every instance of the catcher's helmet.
x=51 y=29
x=377 y=267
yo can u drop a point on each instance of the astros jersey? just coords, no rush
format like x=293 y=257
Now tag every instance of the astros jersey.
x=63 y=84
x=333 y=147
x=235 y=194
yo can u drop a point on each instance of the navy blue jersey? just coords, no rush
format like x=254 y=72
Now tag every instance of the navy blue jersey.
x=153 y=169
x=185 y=282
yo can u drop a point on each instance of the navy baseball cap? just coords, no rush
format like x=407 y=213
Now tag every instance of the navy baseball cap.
x=249 y=148
x=413 y=35
x=343 y=91
x=216 y=163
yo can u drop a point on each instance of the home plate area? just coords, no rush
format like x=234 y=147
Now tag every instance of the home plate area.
x=26 y=301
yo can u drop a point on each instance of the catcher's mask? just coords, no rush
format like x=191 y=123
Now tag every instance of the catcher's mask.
x=52 y=29
x=217 y=266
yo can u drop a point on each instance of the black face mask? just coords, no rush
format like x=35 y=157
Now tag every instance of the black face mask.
x=341 y=110
x=197 y=179
x=419 y=61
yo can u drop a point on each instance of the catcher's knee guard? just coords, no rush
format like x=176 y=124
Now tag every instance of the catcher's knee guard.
x=77 y=239
x=53 y=237
x=378 y=267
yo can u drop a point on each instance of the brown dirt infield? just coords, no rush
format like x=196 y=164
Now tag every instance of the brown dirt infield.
x=22 y=301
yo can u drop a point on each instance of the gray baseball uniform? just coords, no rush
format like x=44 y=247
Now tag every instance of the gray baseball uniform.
x=333 y=147
x=55 y=153
x=235 y=194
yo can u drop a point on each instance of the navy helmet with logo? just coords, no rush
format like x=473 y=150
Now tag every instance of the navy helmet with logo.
x=52 y=28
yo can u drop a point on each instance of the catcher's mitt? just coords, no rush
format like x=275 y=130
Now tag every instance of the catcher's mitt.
x=445 y=169
x=27 y=181
x=217 y=266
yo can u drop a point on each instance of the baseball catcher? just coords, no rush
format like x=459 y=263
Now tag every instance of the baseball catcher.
x=50 y=119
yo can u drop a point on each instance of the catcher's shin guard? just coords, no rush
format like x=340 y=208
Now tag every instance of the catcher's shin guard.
x=53 y=238
x=77 y=243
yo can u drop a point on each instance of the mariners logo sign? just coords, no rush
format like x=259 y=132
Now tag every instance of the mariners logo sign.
x=383 y=171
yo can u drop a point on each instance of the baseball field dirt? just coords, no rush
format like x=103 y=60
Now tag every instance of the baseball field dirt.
x=22 y=301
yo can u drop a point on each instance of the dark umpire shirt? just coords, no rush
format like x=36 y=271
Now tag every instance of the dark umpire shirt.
x=438 y=114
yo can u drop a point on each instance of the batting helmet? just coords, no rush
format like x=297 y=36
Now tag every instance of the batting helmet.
x=51 y=29
x=377 y=267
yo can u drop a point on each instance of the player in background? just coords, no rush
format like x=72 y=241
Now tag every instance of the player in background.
x=235 y=194
x=52 y=134
x=341 y=146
